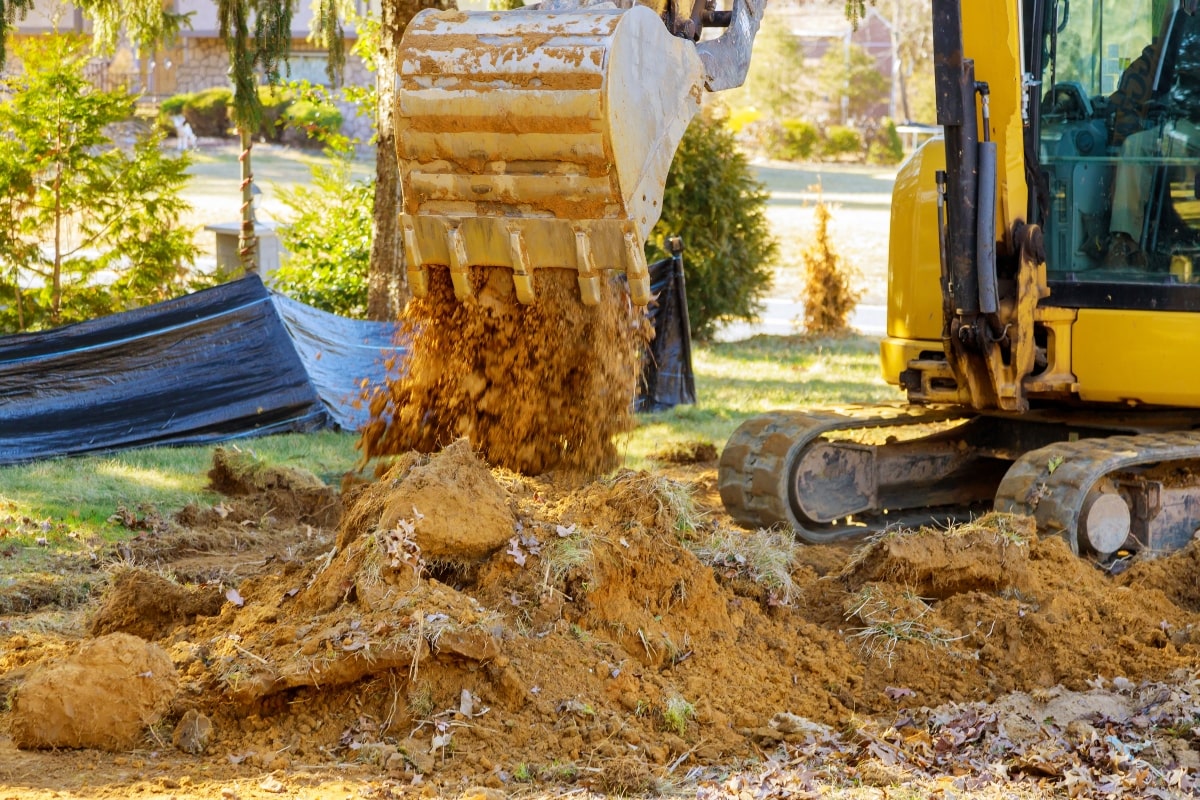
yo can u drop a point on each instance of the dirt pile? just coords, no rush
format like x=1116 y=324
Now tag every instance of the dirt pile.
x=610 y=634
x=147 y=605
x=533 y=387
x=988 y=608
x=450 y=506
x=293 y=493
x=105 y=695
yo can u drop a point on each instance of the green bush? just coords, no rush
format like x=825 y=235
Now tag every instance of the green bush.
x=801 y=137
x=169 y=108
x=208 y=111
x=328 y=238
x=714 y=203
x=275 y=103
x=173 y=105
x=309 y=123
x=884 y=145
x=789 y=140
x=841 y=141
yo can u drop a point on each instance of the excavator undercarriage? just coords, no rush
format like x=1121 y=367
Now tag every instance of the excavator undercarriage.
x=1105 y=481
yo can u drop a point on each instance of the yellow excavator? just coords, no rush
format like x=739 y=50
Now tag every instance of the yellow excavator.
x=1043 y=296
x=541 y=137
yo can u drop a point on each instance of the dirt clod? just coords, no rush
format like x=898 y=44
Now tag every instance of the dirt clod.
x=686 y=453
x=295 y=493
x=144 y=604
x=450 y=505
x=104 y=696
x=193 y=733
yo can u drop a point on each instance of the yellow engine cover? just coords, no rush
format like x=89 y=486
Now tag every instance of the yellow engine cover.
x=1136 y=357
x=914 y=315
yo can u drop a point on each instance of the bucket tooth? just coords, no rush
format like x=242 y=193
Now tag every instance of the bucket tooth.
x=522 y=278
x=418 y=278
x=460 y=266
x=637 y=270
x=589 y=277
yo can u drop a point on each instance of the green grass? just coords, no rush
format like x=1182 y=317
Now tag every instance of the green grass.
x=737 y=380
x=76 y=496
x=70 y=500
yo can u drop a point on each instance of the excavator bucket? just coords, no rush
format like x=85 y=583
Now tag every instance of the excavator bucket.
x=533 y=139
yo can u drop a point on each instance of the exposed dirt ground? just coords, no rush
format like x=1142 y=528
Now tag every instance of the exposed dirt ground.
x=455 y=630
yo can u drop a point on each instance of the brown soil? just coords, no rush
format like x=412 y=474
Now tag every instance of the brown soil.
x=686 y=453
x=104 y=695
x=534 y=387
x=584 y=643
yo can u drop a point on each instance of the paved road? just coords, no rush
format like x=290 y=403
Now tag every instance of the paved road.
x=778 y=318
x=860 y=198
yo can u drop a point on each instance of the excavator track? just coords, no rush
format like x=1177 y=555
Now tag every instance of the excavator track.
x=1060 y=484
x=757 y=473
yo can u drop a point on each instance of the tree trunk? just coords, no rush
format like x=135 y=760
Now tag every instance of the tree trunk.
x=56 y=280
x=387 y=288
x=247 y=237
x=387 y=285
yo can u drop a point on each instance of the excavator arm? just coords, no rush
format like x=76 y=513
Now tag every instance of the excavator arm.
x=541 y=137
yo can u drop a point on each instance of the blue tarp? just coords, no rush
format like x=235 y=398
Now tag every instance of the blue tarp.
x=238 y=360
x=233 y=361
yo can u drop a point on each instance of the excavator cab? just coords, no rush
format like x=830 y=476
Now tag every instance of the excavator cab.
x=1120 y=147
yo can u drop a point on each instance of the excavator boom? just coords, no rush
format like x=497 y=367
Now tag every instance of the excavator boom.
x=541 y=138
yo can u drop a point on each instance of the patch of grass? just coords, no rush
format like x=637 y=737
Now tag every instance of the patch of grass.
x=420 y=701
x=737 y=380
x=82 y=493
x=764 y=557
x=559 y=772
x=565 y=554
x=888 y=621
x=1012 y=528
x=60 y=518
x=673 y=497
x=677 y=714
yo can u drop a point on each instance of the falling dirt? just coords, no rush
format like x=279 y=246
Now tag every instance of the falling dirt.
x=615 y=636
x=534 y=387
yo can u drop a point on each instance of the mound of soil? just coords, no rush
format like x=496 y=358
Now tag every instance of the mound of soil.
x=686 y=453
x=988 y=608
x=533 y=387
x=144 y=604
x=449 y=504
x=105 y=695
x=601 y=642
x=293 y=493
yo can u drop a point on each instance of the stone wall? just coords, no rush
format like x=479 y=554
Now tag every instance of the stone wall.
x=205 y=64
